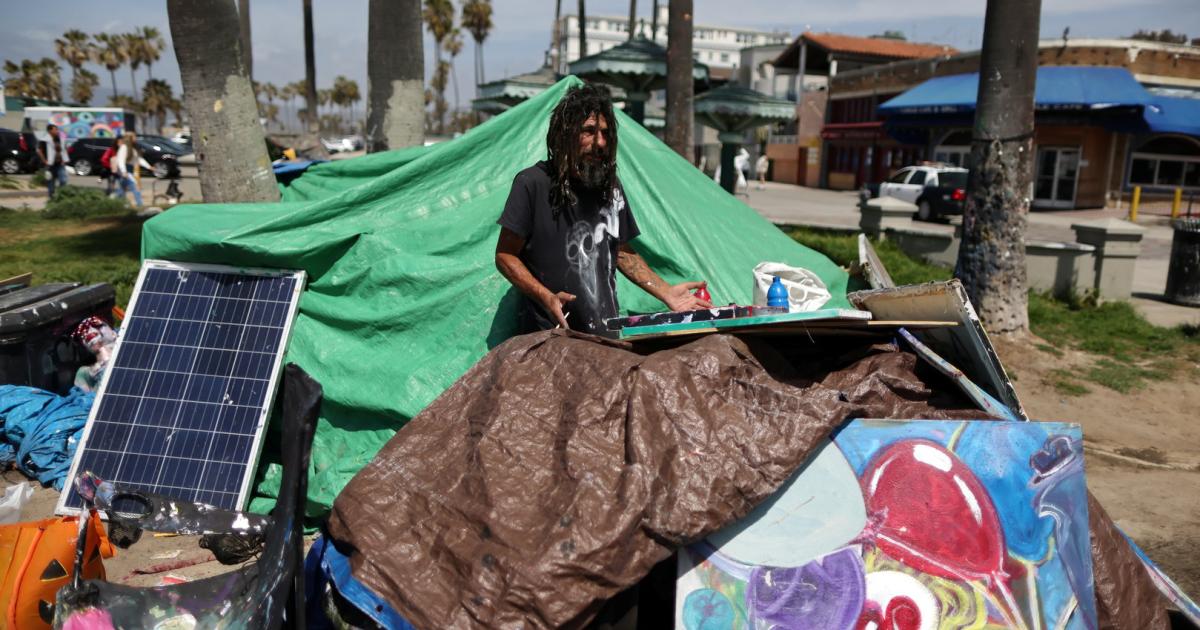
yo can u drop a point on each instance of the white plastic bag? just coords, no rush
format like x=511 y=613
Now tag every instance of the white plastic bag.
x=806 y=292
x=15 y=497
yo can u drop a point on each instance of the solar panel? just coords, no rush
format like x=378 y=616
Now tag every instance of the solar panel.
x=185 y=400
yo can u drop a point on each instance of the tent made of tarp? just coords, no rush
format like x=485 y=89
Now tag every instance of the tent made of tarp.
x=403 y=295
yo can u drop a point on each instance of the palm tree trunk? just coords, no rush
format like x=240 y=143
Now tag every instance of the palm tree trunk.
x=310 y=72
x=632 y=17
x=244 y=30
x=654 y=22
x=395 y=76
x=133 y=83
x=679 y=78
x=582 y=29
x=230 y=148
x=556 y=36
x=112 y=74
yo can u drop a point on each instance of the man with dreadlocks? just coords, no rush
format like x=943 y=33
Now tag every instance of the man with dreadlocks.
x=567 y=221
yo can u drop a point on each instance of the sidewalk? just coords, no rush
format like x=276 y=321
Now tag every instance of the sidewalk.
x=787 y=204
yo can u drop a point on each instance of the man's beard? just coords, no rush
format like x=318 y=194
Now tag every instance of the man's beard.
x=593 y=171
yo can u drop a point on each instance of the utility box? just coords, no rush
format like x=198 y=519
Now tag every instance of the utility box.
x=36 y=346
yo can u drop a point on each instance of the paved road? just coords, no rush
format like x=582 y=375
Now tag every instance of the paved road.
x=786 y=204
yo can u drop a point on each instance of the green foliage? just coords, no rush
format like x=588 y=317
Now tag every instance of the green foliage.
x=38 y=180
x=842 y=249
x=1066 y=383
x=73 y=202
x=8 y=182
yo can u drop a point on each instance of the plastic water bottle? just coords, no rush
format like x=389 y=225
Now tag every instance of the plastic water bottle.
x=777 y=295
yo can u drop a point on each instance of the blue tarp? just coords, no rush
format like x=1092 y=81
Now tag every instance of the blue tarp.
x=1070 y=88
x=1173 y=114
x=39 y=430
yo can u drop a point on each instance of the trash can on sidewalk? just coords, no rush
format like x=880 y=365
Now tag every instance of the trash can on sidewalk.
x=36 y=323
x=1183 y=275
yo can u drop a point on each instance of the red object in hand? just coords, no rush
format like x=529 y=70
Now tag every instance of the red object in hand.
x=702 y=293
x=958 y=195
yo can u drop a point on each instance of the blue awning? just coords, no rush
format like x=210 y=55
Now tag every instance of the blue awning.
x=1062 y=88
x=1173 y=114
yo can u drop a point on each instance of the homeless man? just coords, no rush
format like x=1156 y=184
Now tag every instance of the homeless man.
x=567 y=221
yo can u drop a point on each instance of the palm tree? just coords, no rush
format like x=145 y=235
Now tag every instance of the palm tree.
x=454 y=46
x=229 y=141
x=157 y=96
x=73 y=49
x=133 y=56
x=439 y=19
x=17 y=81
x=271 y=92
x=582 y=29
x=352 y=96
x=109 y=54
x=477 y=18
x=395 y=76
x=310 y=72
x=680 y=88
x=151 y=46
x=47 y=76
x=324 y=99
x=83 y=86
x=244 y=30
x=632 y=17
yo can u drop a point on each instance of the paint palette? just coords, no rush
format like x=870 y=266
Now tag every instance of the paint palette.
x=914 y=524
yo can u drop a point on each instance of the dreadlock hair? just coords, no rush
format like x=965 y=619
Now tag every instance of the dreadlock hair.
x=562 y=142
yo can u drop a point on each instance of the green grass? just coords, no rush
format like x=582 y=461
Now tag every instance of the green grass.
x=101 y=248
x=1131 y=350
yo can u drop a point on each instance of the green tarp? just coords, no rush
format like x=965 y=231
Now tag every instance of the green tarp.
x=403 y=295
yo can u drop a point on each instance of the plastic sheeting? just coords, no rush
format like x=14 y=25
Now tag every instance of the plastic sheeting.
x=399 y=247
x=560 y=469
x=39 y=430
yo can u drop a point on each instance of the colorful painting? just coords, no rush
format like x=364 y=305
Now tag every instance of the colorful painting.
x=908 y=525
x=76 y=124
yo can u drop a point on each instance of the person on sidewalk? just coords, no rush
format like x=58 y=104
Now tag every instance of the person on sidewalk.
x=566 y=227
x=126 y=163
x=54 y=160
x=760 y=170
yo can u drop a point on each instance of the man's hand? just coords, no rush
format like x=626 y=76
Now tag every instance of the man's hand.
x=554 y=304
x=679 y=297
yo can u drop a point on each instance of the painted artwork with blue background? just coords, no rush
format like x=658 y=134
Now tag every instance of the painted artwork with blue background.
x=920 y=525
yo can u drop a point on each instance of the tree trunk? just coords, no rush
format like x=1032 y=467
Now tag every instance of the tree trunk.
x=632 y=17
x=654 y=22
x=582 y=29
x=310 y=72
x=679 y=78
x=244 y=29
x=112 y=74
x=557 y=36
x=231 y=152
x=395 y=76
x=991 y=259
x=133 y=83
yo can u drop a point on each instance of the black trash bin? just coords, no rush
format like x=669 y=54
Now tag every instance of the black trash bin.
x=1183 y=275
x=36 y=323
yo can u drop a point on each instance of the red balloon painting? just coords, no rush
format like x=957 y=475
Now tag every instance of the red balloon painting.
x=928 y=510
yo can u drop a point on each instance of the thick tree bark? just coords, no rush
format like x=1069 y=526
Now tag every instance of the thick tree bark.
x=395 y=76
x=244 y=29
x=679 y=78
x=991 y=260
x=231 y=153
x=310 y=72
x=556 y=36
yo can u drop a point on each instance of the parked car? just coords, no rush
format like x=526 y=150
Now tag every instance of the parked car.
x=936 y=189
x=18 y=152
x=85 y=157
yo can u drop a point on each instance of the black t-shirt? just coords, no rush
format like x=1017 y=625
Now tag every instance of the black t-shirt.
x=572 y=250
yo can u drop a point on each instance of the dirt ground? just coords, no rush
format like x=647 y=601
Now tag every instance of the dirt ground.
x=1142 y=452
x=1142 y=458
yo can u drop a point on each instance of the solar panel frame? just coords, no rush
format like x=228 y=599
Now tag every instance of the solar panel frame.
x=263 y=409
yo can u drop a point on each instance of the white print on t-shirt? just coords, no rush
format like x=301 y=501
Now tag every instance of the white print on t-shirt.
x=584 y=247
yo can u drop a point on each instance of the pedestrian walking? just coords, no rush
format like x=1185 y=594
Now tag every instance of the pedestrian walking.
x=760 y=170
x=53 y=159
x=127 y=162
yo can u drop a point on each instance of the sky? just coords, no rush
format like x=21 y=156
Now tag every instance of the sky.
x=522 y=29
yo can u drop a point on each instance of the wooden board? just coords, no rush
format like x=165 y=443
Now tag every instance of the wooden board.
x=828 y=314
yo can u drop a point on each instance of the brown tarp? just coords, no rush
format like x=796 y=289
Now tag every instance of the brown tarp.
x=561 y=468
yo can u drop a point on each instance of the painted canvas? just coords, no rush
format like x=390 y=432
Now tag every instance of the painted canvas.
x=908 y=525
